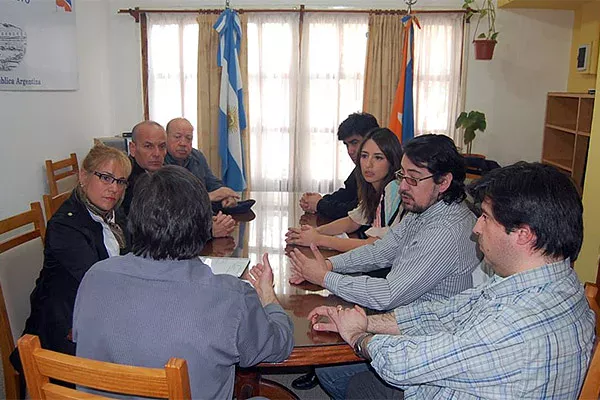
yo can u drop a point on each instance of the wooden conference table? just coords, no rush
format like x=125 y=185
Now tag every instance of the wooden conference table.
x=263 y=231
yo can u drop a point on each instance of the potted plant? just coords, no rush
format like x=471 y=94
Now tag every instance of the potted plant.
x=470 y=122
x=486 y=41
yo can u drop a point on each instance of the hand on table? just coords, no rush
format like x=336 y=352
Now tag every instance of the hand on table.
x=304 y=268
x=350 y=323
x=261 y=278
x=223 y=225
x=303 y=236
x=308 y=201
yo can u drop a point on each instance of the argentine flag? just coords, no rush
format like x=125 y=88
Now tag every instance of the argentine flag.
x=232 y=117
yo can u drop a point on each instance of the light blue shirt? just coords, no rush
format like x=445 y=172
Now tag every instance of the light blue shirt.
x=431 y=255
x=529 y=336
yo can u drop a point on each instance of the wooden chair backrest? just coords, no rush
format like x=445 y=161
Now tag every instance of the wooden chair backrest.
x=21 y=258
x=40 y=365
x=69 y=177
x=53 y=203
x=591 y=385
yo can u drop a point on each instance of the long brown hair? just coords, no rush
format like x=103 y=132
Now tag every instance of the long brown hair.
x=368 y=197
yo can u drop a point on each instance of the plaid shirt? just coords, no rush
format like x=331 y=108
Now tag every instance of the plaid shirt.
x=529 y=335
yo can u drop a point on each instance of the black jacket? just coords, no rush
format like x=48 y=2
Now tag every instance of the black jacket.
x=136 y=172
x=74 y=242
x=337 y=204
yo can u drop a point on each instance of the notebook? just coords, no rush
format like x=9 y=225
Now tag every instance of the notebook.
x=226 y=265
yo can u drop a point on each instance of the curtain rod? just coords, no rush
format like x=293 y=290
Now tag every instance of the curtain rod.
x=135 y=12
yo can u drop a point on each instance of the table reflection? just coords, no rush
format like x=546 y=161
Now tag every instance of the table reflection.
x=263 y=231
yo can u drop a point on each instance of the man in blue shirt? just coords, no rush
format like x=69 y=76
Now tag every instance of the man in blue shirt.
x=526 y=333
x=162 y=301
x=180 y=134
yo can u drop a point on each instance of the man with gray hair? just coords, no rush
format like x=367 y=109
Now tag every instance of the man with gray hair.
x=180 y=135
x=147 y=150
x=162 y=301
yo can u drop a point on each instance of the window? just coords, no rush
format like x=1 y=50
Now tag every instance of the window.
x=172 y=67
x=299 y=97
x=299 y=92
x=437 y=84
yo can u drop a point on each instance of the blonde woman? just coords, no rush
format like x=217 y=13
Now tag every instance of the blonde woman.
x=85 y=229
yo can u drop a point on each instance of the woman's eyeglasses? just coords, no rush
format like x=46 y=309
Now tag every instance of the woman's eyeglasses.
x=411 y=181
x=109 y=179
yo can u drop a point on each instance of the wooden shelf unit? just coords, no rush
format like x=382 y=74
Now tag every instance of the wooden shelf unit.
x=567 y=132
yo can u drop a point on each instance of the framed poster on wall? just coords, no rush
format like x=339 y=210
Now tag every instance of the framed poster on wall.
x=38 y=47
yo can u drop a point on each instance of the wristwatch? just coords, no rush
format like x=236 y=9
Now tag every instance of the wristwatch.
x=360 y=347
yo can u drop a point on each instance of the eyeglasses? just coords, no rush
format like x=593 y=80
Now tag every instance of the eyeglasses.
x=410 y=180
x=109 y=179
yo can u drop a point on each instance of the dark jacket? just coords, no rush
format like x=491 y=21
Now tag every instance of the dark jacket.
x=74 y=242
x=337 y=204
x=136 y=172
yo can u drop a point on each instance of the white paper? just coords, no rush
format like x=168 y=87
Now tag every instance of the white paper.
x=234 y=266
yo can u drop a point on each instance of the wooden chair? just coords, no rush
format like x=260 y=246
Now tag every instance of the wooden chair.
x=21 y=258
x=65 y=181
x=40 y=365
x=591 y=385
x=53 y=203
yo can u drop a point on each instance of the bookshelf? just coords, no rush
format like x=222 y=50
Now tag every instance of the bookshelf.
x=567 y=133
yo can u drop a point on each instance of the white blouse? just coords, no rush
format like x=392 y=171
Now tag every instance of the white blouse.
x=110 y=241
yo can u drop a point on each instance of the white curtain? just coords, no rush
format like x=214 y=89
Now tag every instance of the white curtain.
x=172 y=67
x=437 y=74
x=334 y=48
x=298 y=97
x=273 y=41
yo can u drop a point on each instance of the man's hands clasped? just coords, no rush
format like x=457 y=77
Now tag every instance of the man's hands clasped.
x=350 y=323
x=223 y=225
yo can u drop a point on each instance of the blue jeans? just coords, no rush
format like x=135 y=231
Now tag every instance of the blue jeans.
x=335 y=380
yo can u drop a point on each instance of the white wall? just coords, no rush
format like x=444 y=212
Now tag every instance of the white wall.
x=530 y=59
x=49 y=125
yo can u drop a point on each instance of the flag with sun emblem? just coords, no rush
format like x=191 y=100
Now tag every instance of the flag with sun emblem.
x=232 y=117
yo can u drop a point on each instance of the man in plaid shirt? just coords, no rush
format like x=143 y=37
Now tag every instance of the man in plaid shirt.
x=526 y=333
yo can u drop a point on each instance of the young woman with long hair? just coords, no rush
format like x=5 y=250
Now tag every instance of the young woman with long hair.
x=379 y=205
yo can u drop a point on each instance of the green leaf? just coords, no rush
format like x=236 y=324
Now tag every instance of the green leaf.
x=460 y=120
x=481 y=36
x=494 y=36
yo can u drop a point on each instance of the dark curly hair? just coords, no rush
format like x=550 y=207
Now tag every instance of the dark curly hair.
x=438 y=154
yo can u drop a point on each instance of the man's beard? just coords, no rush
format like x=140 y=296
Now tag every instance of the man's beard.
x=418 y=209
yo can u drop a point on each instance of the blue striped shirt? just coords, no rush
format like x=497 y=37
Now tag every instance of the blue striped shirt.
x=526 y=336
x=431 y=255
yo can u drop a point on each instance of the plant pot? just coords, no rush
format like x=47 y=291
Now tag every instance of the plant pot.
x=484 y=49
